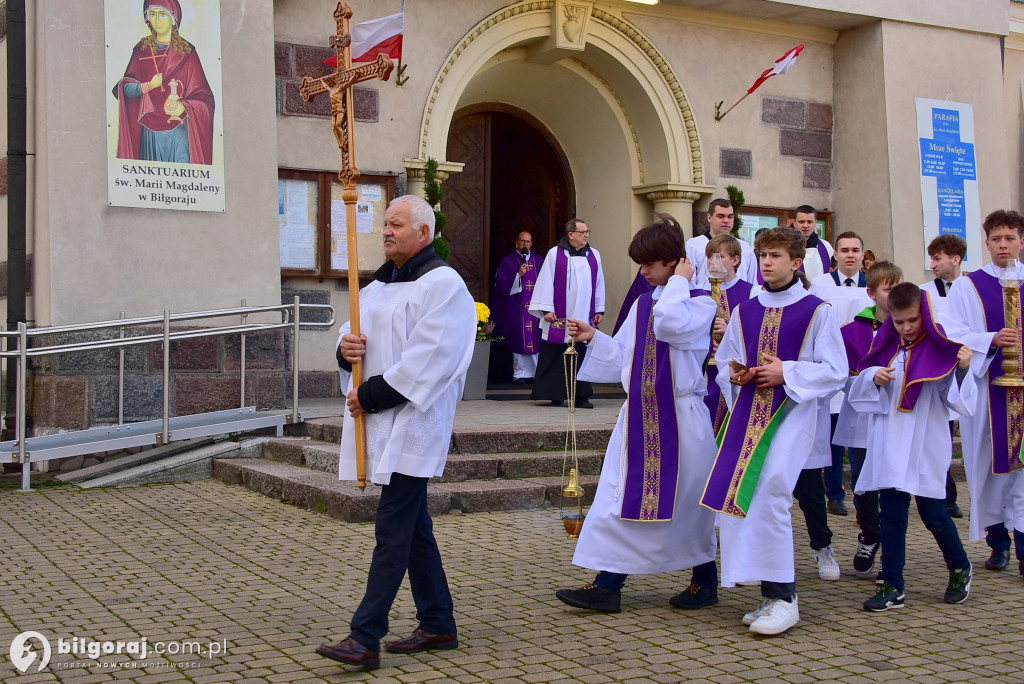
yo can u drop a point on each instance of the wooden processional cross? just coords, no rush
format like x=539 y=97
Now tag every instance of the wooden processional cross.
x=339 y=85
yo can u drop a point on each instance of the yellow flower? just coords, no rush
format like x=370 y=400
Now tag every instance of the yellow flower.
x=483 y=314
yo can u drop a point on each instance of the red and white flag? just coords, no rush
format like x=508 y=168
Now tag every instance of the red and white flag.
x=781 y=66
x=374 y=37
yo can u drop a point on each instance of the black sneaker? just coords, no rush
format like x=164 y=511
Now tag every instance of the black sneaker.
x=864 y=559
x=954 y=511
x=886 y=598
x=998 y=560
x=959 y=584
x=591 y=597
x=695 y=597
x=1020 y=566
x=837 y=507
x=878 y=579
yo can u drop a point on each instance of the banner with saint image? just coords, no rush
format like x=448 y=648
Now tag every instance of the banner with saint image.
x=165 y=124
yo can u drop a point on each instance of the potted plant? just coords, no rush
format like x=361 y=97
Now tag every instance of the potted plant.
x=476 y=376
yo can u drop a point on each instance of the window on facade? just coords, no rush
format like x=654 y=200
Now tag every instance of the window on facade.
x=756 y=218
x=312 y=219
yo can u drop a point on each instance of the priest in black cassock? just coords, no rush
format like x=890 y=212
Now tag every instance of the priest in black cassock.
x=570 y=285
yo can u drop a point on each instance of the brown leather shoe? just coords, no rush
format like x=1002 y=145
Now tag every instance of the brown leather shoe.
x=422 y=641
x=351 y=652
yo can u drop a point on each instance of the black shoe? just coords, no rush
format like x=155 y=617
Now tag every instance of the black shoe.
x=695 y=597
x=954 y=511
x=1020 y=566
x=864 y=559
x=998 y=560
x=351 y=652
x=557 y=402
x=878 y=579
x=959 y=587
x=591 y=597
x=886 y=598
x=423 y=641
x=837 y=507
x=584 y=404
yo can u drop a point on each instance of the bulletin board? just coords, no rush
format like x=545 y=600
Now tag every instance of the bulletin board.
x=374 y=194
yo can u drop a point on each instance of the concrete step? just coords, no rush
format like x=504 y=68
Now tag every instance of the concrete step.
x=460 y=467
x=323 y=492
x=468 y=441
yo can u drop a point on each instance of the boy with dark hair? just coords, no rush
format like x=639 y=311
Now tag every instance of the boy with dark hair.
x=721 y=218
x=734 y=291
x=851 y=426
x=976 y=314
x=906 y=384
x=819 y=252
x=785 y=357
x=646 y=517
x=947 y=252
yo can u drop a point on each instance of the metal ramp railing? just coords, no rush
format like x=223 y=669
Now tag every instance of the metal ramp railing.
x=150 y=432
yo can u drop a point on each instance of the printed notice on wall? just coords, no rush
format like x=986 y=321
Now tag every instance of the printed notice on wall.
x=165 y=127
x=949 y=175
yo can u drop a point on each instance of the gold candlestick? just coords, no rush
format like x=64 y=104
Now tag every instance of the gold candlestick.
x=1011 y=363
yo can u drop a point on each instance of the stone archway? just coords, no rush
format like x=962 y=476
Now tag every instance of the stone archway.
x=610 y=99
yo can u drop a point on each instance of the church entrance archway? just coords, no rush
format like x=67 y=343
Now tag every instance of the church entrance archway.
x=515 y=178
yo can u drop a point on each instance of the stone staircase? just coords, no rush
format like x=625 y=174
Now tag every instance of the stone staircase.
x=487 y=470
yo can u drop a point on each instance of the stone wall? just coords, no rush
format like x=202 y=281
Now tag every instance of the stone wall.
x=805 y=130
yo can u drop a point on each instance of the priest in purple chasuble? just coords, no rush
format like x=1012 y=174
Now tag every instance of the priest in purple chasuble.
x=790 y=344
x=510 y=306
x=975 y=315
x=570 y=285
x=646 y=516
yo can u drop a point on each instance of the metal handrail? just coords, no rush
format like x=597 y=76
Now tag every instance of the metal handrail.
x=290 y=318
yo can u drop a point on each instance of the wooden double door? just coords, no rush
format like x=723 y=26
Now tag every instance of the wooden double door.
x=515 y=179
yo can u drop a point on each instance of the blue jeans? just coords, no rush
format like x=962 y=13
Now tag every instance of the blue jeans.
x=865 y=504
x=834 y=473
x=704 y=575
x=998 y=539
x=405 y=542
x=895 y=507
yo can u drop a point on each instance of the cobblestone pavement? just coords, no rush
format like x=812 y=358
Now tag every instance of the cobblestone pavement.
x=269 y=582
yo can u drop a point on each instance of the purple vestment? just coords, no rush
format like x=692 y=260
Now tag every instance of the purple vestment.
x=930 y=357
x=511 y=311
x=652 y=429
x=639 y=287
x=1006 y=404
x=747 y=434
x=561 y=287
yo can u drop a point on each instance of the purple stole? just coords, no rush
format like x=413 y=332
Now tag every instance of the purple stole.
x=826 y=260
x=930 y=357
x=857 y=337
x=652 y=430
x=1005 y=404
x=557 y=335
x=748 y=431
x=713 y=399
x=639 y=287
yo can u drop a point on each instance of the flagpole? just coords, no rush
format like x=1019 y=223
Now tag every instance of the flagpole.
x=719 y=117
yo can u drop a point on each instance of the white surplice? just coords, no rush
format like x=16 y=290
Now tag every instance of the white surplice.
x=419 y=335
x=939 y=302
x=994 y=498
x=760 y=546
x=630 y=547
x=578 y=289
x=813 y=267
x=911 y=451
x=696 y=249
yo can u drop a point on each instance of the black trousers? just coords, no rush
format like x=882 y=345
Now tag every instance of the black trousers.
x=405 y=542
x=810 y=494
x=549 y=383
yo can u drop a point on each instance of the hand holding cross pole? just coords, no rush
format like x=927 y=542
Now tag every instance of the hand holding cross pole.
x=339 y=85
